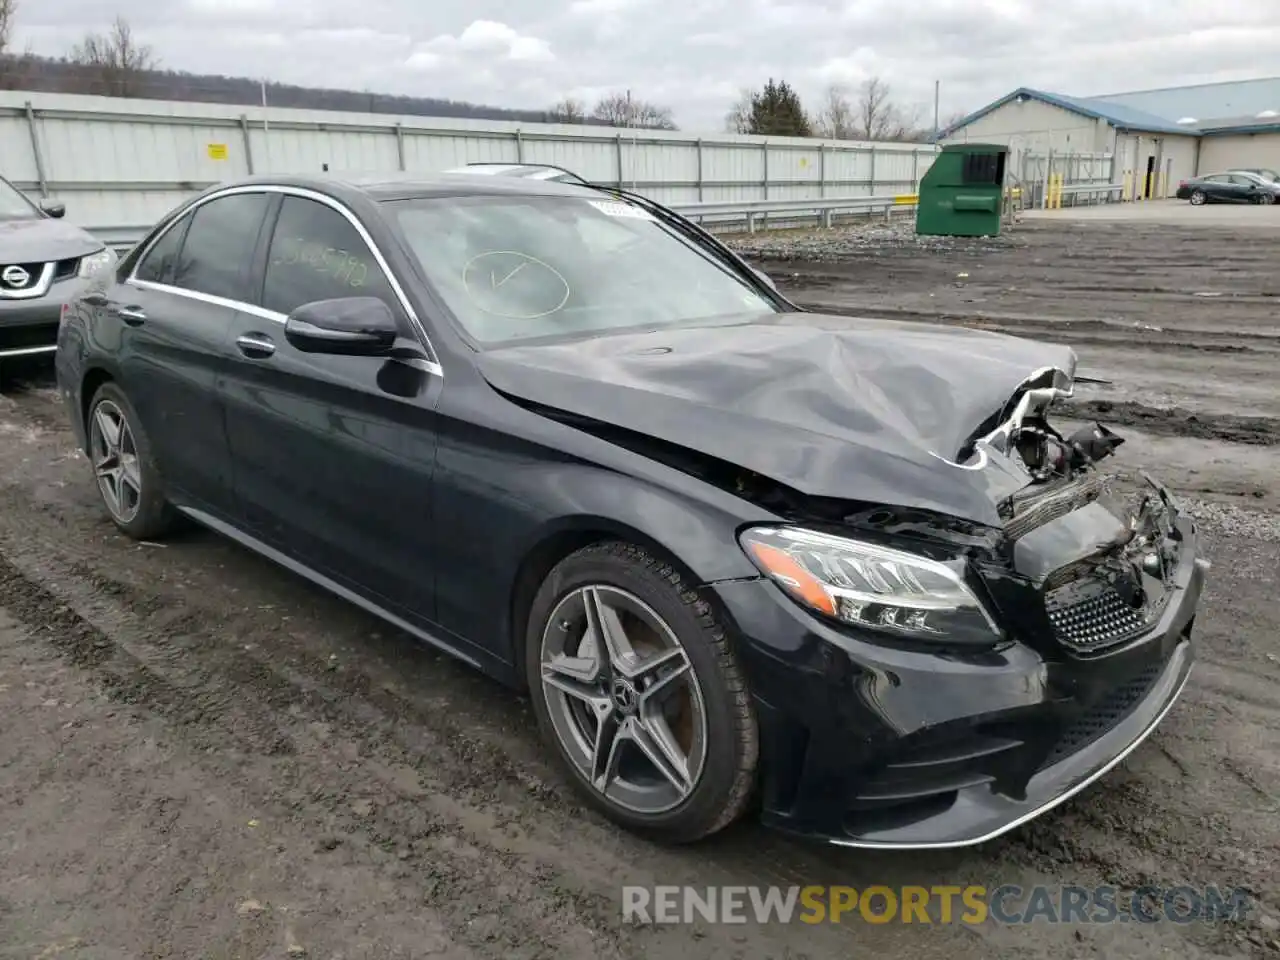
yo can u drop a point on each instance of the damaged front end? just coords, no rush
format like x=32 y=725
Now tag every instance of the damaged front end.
x=1080 y=561
x=1086 y=559
x=1091 y=581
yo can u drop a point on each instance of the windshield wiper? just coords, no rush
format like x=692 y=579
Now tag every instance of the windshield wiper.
x=702 y=238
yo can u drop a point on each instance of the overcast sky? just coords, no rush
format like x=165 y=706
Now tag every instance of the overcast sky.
x=691 y=55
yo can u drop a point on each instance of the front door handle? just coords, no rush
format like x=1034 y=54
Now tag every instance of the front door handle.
x=133 y=316
x=257 y=346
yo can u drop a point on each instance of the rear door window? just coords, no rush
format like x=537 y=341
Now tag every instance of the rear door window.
x=219 y=246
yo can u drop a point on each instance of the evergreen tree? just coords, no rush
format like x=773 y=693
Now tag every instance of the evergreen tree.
x=776 y=111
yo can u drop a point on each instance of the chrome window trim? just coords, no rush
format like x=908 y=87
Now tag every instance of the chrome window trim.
x=432 y=364
x=209 y=298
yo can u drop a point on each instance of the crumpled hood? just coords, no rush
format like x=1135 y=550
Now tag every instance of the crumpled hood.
x=39 y=240
x=860 y=409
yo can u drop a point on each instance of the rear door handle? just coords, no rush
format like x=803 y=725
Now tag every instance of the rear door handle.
x=257 y=346
x=134 y=316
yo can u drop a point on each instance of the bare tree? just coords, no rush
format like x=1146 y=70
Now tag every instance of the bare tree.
x=622 y=110
x=15 y=68
x=738 y=119
x=874 y=116
x=835 y=119
x=8 y=12
x=567 y=110
x=874 y=113
x=950 y=120
x=117 y=58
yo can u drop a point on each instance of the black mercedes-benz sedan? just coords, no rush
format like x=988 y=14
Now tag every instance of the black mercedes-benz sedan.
x=842 y=572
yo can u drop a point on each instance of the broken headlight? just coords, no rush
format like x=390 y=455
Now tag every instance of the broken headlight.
x=867 y=585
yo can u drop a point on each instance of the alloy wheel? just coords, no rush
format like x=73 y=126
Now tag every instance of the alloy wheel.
x=115 y=460
x=624 y=699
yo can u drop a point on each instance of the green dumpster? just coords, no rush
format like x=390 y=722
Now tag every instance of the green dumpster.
x=961 y=194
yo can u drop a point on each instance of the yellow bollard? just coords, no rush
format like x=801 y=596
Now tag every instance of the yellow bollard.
x=1124 y=187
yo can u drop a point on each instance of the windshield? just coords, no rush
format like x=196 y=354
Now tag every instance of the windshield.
x=518 y=268
x=13 y=203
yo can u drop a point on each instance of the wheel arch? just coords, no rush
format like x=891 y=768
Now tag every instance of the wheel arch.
x=90 y=382
x=555 y=543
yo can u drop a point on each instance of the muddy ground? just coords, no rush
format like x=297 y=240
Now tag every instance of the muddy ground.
x=204 y=756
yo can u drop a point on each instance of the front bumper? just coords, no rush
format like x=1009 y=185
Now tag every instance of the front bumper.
x=868 y=745
x=29 y=328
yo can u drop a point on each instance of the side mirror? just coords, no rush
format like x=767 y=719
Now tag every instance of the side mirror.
x=348 y=326
x=765 y=277
x=51 y=208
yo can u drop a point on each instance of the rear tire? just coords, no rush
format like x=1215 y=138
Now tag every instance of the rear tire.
x=1197 y=198
x=637 y=690
x=124 y=466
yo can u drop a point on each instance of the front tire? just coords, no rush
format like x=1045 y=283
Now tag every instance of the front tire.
x=124 y=466
x=638 y=691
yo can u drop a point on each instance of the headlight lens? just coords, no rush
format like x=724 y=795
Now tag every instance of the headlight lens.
x=96 y=263
x=871 y=586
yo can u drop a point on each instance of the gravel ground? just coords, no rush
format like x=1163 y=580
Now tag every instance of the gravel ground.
x=204 y=756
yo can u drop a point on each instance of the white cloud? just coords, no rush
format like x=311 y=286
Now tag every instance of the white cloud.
x=486 y=39
x=598 y=8
x=531 y=49
x=691 y=55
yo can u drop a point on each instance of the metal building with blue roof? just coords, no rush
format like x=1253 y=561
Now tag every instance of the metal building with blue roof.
x=1156 y=137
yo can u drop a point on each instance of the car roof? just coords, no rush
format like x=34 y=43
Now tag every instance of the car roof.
x=409 y=185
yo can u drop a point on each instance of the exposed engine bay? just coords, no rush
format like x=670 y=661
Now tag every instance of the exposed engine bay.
x=1121 y=579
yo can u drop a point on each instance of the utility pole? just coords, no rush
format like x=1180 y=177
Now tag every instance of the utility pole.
x=937 y=90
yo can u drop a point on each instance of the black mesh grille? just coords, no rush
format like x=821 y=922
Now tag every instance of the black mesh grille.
x=1091 y=616
x=1088 y=726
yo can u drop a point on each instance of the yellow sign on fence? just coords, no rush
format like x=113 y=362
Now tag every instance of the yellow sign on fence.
x=217 y=151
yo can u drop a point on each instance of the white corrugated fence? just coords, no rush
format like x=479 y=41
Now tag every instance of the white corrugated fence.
x=120 y=163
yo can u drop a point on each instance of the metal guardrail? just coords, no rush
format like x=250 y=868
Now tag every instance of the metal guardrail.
x=745 y=213
x=749 y=214
x=1076 y=189
x=1050 y=196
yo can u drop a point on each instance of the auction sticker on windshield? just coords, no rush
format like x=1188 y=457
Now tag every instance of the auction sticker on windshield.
x=615 y=208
